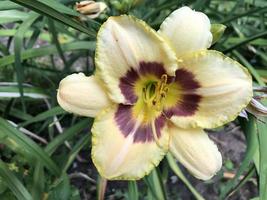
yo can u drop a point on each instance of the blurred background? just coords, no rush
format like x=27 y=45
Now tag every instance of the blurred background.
x=45 y=152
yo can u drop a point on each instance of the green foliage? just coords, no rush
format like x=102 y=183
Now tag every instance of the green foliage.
x=42 y=41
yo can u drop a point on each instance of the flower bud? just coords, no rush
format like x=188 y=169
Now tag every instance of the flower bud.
x=91 y=9
x=82 y=95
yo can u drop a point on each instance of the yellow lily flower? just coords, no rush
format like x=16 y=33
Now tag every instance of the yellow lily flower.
x=155 y=92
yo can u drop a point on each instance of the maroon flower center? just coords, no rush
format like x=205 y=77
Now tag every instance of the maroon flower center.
x=186 y=105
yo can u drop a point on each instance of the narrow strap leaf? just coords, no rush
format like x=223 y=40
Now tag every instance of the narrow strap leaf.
x=13 y=183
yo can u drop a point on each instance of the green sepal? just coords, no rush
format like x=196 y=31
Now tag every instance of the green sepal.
x=217 y=31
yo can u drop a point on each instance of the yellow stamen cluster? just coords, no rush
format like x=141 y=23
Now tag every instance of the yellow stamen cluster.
x=155 y=92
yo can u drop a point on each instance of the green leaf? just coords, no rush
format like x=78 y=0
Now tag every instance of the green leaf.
x=18 y=45
x=49 y=50
x=251 y=69
x=13 y=183
x=262 y=132
x=19 y=142
x=60 y=7
x=244 y=14
x=44 y=115
x=247 y=176
x=49 y=11
x=258 y=42
x=54 y=34
x=7 y=5
x=10 y=90
x=155 y=185
x=74 y=152
x=176 y=169
x=3 y=186
x=132 y=190
x=38 y=181
x=250 y=129
x=29 y=33
x=14 y=112
x=66 y=135
x=217 y=31
x=246 y=40
x=9 y=16
x=61 y=188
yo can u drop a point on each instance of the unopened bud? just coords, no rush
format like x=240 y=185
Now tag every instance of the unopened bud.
x=82 y=95
x=217 y=31
x=91 y=9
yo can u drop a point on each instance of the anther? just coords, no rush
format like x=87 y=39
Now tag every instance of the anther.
x=164 y=78
x=166 y=89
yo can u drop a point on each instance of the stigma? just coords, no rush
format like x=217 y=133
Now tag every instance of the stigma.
x=154 y=93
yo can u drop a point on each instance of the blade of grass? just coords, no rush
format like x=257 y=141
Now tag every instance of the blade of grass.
x=12 y=32
x=132 y=190
x=262 y=133
x=68 y=134
x=44 y=115
x=155 y=185
x=74 y=152
x=4 y=49
x=175 y=168
x=7 y=5
x=15 y=139
x=258 y=42
x=49 y=50
x=38 y=181
x=250 y=129
x=199 y=4
x=60 y=7
x=245 y=41
x=60 y=188
x=55 y=14
x=34 y=37
x=13 y=183
x=156 y=11
x=9 y=16
x=14 y=112
x=18 y=40
x=246 y=178
x=54 y=35
x=249 y=67
x=249 y=12
x=9 y=90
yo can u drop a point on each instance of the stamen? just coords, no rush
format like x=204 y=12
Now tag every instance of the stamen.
x=164 y=78
x=155 y=92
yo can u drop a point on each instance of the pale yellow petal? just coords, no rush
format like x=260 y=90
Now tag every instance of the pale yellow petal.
x=194 y=149
x=118 y=154
x=187 y=31
x=82 y=95
x=123 y=43
x=225 y=88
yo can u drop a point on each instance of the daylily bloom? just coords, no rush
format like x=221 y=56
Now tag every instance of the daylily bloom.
x=155 y=92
